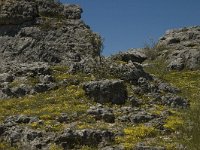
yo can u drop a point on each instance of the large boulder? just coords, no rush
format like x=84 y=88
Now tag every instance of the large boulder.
x=106 y=91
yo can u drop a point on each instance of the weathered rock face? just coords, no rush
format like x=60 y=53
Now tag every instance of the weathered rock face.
x=182 y=48
x=17 y=12
x=133 y=55
x=106 y=91
x=44 y=31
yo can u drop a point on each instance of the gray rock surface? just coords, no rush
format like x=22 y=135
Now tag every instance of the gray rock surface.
x=134 y=55
x=99 y=112
x=106 y=91
x=182 y=48
x=32 y=31
x=17 y=12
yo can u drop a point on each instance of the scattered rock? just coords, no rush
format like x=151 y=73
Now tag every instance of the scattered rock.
x=135 y=102
x=70 y=138
x=141 y=117
x=175 y=101
x=99 y=112
x=167 y=88
x=63 y=118
x=46 y=78
x=141 y=146
x=6 y=77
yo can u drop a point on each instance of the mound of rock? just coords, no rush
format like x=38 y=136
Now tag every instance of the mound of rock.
x=32 y=31
x=182 y=48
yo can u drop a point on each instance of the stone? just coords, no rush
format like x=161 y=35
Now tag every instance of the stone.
x=27 y=37
x=20 y=91
x=17 y=12
x=70 y=138
x=167 y=88
x=39 y=88
x=141 y=146
x=21 y=119
x=106 y=91
x=129 y=72
x=141 y=117
x=134 y=55
x=6 y=77
x=177 y=64
x=32 y=134
x=63 y=118
x=181 y=48
x=135 y=102
x=99 y=112
x=175 y=101
x=46 y=78
x=2 y=129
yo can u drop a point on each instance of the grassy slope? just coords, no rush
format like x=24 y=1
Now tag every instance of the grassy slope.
x=189 y=83
x=71 y=100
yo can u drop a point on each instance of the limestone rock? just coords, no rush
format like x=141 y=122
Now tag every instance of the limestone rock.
x=106 y=91
x=133 y=55
x=182 y=48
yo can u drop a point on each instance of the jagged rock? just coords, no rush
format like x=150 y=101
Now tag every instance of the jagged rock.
x=20 y=119
x=70 y=138
x=41 y=39
x=175 y=101
x=2 y=129
x=17 y=12
x=6 y=77
x=5 y=93
x=129 y=72
x=32 y=134
x=99 y=112
x=63 y=118
x=141 y=117
x=177 y=64
x=141 y=146
x=182 y=48
x=46 y=78
x=118 y=147
x=133 y=55
x=167 y=88
x=43 y=87
x=20 y=91
x=106 y=91
x=135 y=102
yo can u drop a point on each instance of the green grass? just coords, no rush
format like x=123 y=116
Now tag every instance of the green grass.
x=189 y=83
x=47 y=105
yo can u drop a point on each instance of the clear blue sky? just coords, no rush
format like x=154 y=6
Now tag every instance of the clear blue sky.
x=131 y=23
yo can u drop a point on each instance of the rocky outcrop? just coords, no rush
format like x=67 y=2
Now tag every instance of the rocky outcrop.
x=182 y=48
x=44 y=31
x=17 y=12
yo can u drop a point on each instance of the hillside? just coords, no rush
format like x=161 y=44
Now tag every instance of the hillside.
x=57 y=92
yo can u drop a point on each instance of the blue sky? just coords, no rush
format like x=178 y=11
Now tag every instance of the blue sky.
x=128 y=24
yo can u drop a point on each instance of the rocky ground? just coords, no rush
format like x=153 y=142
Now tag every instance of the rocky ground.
x=56 y=92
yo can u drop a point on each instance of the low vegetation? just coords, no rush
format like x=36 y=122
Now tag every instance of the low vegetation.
x=189 y=83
